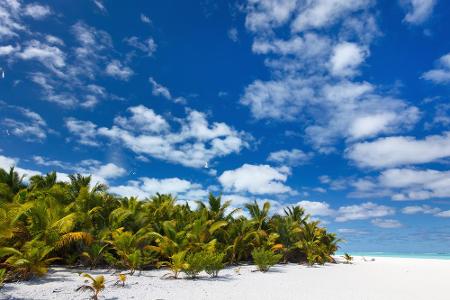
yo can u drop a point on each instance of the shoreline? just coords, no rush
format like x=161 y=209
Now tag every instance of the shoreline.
x=430 y=256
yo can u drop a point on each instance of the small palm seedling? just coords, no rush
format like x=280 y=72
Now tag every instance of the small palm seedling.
x=348 y=258
x=96 y=286
x=176 y=264
x=121 y=278
x=264 y=259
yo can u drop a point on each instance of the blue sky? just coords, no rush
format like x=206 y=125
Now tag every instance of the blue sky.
x=339 y=106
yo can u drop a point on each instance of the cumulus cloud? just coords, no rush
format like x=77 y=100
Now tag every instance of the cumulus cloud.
x=315 y=208
x=323 y=13
x=195 y=143
x=313 y=69
x=162 y=91
x=418 y=11
x=444 y=214
x=117 y=70
x=363 y=211
x=263 y=15
x=441 y=74
x=147 y=187
x=420 y=209
x=386 y=223
x=402 y=184
x=37 y=11
x=292 y=157
x=50 y=56
x=85 y=131
x=400 y=150
x=255 y=179
x=346 y=58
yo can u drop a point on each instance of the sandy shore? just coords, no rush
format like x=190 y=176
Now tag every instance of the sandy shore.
x=384 y=278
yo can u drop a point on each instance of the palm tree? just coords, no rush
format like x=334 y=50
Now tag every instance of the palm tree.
x=11 y=180
x=32 y=260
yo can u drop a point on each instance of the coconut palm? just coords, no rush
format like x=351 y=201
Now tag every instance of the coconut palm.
x=32 y=260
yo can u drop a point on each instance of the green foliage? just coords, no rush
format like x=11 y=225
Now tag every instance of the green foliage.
x=264 y=259
x=176 y=264
x=213 y=262
x=195 y=264
x=32 y=260
x=83 y=224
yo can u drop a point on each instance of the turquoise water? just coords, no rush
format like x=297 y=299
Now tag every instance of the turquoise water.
x=445 y=256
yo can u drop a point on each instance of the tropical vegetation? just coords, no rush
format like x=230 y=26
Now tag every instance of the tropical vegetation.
x=44 y=221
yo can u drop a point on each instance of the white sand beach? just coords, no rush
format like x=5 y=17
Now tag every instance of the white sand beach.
x=384 y=278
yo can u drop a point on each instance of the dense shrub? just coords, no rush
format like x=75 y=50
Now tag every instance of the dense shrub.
x=264 y=259
x=195 y=264
x=213 y=263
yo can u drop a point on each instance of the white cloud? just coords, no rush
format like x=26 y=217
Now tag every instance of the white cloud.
x=10 y=22
x=262 y=15
x=255 y=179
x=100 y=172
x=292 y=157
x=23 y=123
x=233 y=34
x=160 y=90
x=117 y=70
x=405 y=184
x=99 y=4
x=147 y=187
x=441 y=74
x=363 y=211
x=386 y=223
x=8 y=50
x=145 y=19
x=328 y=39
x=316 y=208
x=322 y=13
x=110 y=170
x=50 y=56
x=37 y=11
x=346 y=58
x=85 y=131
x=400 y=150
x=143 y=118
x=148 y=46
x=7 y=162
x=444 y=214
x=370 y=125
x=422 y=209
x=418 y=11
x=195 y=143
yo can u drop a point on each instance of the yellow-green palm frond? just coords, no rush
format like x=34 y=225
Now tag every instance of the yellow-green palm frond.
x=72 y=237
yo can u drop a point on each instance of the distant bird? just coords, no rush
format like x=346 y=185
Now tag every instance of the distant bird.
x=206 y=165
x=3 y=74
